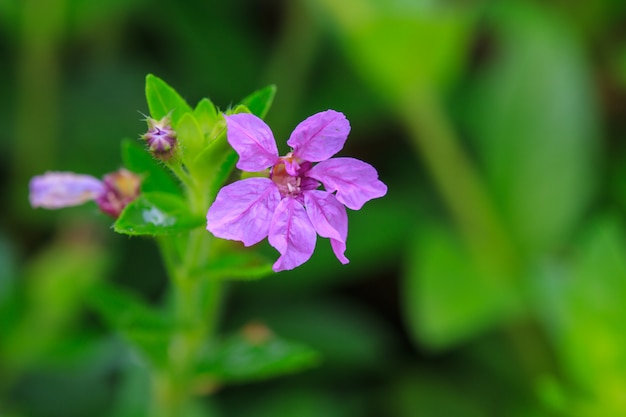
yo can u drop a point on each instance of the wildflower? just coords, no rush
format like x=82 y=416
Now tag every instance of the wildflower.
x=288 y=207
x=160 y=137
x=55 y=190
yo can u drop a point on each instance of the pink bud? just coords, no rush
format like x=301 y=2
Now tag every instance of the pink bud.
x=160 y=137
x=120 y=188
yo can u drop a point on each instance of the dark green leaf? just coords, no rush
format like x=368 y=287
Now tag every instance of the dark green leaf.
x=8 y=273
x=157 y=214
x=255 y=354
x=56 y=283
x=147 y=330
x=132 y=397
x=163 y=99
x=260 y=101
x=348 y=336
x=154 y=176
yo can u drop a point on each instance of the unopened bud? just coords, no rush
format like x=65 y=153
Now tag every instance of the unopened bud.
x=160 y=137
x=120 y=188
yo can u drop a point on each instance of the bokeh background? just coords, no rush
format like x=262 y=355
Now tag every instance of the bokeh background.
x=490 y=281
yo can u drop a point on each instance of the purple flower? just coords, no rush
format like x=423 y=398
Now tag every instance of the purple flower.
x=287 y=206
x=55 y=190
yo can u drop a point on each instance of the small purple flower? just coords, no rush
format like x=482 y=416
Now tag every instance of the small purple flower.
x=288 y=207
x=160 y=137
x=55 y=190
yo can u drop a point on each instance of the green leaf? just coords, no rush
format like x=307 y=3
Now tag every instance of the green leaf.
x=216 y=162
x=416 y=392
x=218 y=159
x=154 y=177
x=191 y=139
x=247 y=265
x=402 y=47
x=448 y=296
x=581 y=303
x=255 y=354
x=8 y=273
x=157 y=214
x=56 y=283
x=132 y=397
x=260 y=101
x=145 y=328
x=535 y=119
x=349 y=336
x=163 y=99
x=206 y=114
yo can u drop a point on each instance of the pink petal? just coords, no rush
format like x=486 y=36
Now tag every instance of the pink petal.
x=243 y=210
x=328 y=216
x=63 y=189
x=253 y=140
x=355 y=181
x=339 y=248
x=292 y=234
x=320 y=136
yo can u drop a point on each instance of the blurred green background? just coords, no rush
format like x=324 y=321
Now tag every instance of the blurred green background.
x=490 y=281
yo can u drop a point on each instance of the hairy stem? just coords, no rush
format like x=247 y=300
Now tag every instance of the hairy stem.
x=196 y=304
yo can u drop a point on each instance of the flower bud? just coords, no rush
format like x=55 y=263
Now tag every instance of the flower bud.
x=120 y=188
x=161 y=138
x=55 y=190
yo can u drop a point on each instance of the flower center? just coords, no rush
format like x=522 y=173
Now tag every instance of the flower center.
x=288 y=185
x=289 y=176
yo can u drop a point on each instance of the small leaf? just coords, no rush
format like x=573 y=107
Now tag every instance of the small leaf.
x=255 y=354
x=163 y=99
x=153 y=175
x=260 y=101
x=216 y=162
x=206 y=114
x=157 y=214
x=218 y=159
x=191 y=139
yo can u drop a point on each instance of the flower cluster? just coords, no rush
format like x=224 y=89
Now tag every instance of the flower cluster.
x=55 y=190
x=287 y=206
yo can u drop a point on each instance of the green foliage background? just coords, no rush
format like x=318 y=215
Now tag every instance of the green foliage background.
x=490 y=281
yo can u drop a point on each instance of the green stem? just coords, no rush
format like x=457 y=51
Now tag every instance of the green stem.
x=184 y=177
x=197 y=300
x=458 y=181
x=470 y=204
